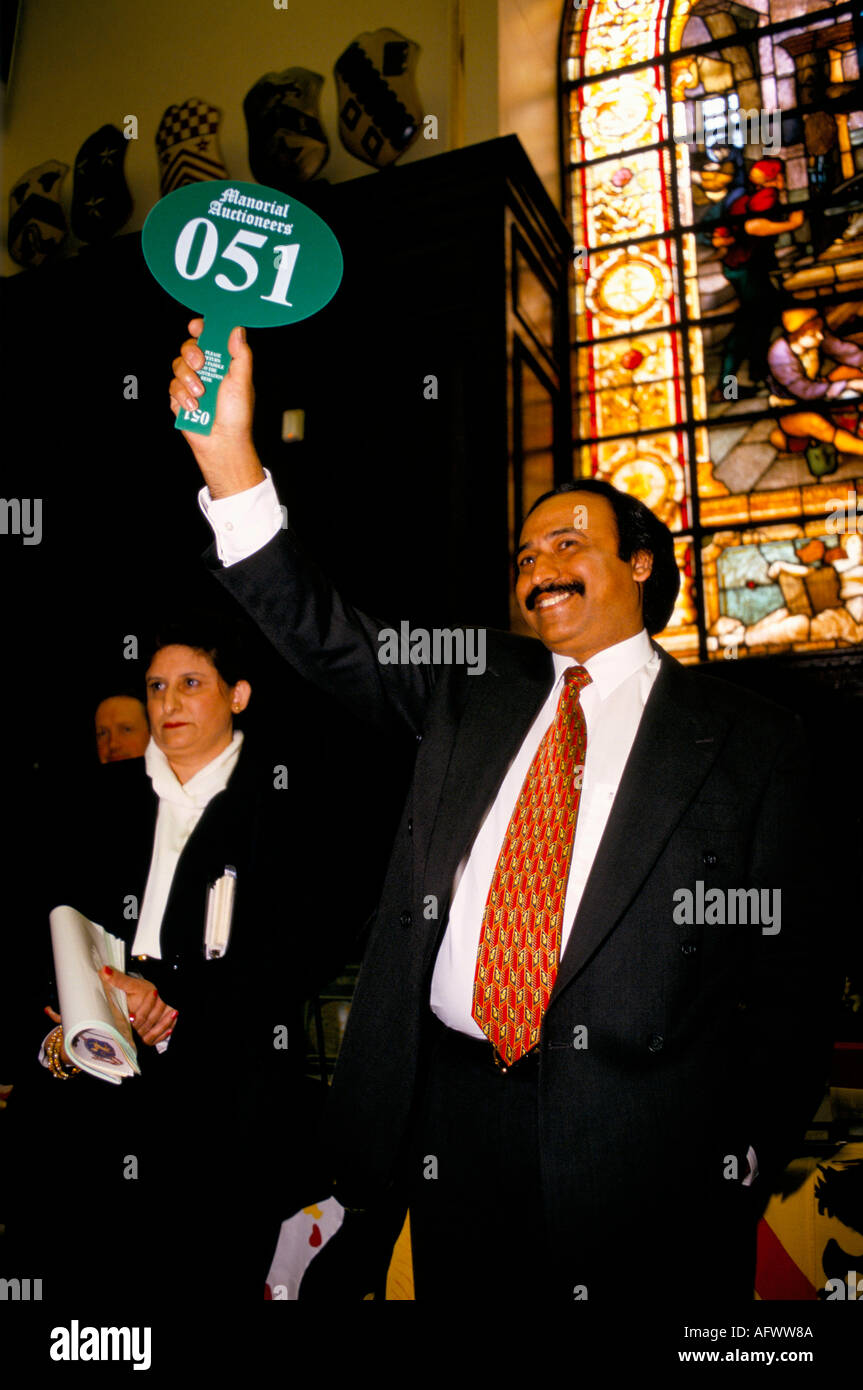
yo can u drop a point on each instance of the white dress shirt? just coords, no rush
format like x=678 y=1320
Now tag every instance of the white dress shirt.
x=622 y=678
x=244 y=522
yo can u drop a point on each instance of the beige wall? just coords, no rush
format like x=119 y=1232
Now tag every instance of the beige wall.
x=81 y=63
x=529 y=33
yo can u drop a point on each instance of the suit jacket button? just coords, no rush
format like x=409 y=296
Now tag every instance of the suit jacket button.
x=419 y=738
x=708 y=858
x=405 y=920
x=410 y=825
x=656 y=1044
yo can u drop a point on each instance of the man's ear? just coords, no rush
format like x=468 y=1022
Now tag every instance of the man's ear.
x=642 y=565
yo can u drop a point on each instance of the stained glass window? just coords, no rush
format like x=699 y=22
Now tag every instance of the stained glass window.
x=714 y=182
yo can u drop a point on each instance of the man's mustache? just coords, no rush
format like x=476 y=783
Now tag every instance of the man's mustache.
x=574 y=587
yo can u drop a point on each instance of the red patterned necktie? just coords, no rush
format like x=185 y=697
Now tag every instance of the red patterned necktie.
x=519 y=945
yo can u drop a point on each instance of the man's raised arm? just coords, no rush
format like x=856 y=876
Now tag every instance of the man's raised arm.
x=262 y=565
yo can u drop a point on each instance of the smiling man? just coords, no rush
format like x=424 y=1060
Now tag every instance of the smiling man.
x=582 y=564
x=577 y=1096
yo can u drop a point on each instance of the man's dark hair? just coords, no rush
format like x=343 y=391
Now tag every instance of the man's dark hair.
x=637 y=529
x=217 y=637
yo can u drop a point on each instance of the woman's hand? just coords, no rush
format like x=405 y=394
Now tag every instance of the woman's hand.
x=152 y=1019
x=226 y=456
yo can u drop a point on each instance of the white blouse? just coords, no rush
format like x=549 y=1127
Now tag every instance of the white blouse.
x=181 y=805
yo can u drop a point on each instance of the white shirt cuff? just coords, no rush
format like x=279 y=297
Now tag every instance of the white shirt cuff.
x=244 y=522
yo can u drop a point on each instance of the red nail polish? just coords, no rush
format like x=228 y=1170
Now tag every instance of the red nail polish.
x=131 y=1018
x=175 y=1014
x=108 y=970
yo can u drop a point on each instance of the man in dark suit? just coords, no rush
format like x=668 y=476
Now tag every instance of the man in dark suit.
x=591 y=1015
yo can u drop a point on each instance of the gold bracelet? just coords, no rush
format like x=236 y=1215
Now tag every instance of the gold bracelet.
x=66 y=1068
x=57 y=1067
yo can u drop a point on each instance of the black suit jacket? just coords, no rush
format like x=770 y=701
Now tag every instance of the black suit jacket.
x=220 y=1125
x=702 y=1039
x=228 y=1008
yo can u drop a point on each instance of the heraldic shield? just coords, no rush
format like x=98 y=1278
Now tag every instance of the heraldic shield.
x=287 y=144
x=37 y=222
x=187 y=143
x=380 y=110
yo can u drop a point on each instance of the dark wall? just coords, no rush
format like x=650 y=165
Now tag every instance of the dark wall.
x=402 y=498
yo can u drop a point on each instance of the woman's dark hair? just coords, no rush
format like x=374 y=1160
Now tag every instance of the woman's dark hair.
x=637 y=529
x=217 y=637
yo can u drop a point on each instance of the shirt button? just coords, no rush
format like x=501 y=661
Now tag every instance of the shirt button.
x=229 y=525
x=709 y=858
x=405 y=920
x=656 y=1043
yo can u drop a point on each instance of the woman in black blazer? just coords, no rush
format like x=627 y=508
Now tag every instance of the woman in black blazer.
x=206 y=1152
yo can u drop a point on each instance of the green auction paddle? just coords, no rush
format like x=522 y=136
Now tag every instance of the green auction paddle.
x=238 y=253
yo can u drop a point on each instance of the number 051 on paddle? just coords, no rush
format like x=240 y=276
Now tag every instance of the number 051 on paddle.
x=238 y=253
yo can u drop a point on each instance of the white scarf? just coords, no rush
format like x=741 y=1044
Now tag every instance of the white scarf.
x=181 y=805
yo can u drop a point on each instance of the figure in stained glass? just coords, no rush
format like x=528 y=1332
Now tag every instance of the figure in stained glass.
x=745 y=243
x=786 y=592
x=715 y=183
x=799 y=375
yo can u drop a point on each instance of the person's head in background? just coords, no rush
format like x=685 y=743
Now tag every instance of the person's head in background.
x=122 y=730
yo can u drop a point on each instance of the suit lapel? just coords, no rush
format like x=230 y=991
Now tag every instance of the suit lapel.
x=677 y=742
x=222 y=836
x=501 y=706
